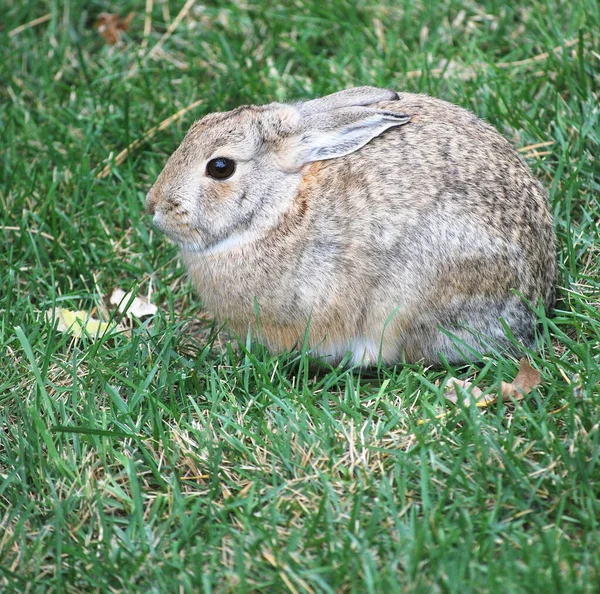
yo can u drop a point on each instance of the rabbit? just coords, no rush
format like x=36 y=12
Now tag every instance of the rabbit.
x=369 y=225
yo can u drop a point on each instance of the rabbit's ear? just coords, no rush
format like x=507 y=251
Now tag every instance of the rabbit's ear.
x=340 y=132
x=358 y=96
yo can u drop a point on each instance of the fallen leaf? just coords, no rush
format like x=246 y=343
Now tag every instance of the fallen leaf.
x=454 y=394
x=527 y=378
x=110 y=26
x=130 y=305
x=77 y=323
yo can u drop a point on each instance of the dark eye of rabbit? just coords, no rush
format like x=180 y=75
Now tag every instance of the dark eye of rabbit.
x=220 y=168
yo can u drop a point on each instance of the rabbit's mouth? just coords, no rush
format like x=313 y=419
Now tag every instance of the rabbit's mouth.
x=182 y=234
x=194 y=235
x=161 y=222
x=197 y=239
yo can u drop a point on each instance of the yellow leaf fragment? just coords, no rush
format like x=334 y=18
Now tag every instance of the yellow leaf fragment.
x=77 y=323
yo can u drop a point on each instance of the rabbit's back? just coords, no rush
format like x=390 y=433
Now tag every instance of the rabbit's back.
x=445 y=193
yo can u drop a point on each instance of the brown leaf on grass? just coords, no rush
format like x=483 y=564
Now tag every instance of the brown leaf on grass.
x=526 y=379
x=110 y=26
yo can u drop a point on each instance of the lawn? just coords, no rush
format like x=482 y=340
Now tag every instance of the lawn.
x=158 y=457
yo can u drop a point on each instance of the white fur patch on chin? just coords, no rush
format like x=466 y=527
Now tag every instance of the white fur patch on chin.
x=364 y=351
x=225 y=245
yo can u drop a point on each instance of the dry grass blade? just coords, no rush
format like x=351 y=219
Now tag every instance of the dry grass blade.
x=34 y=23
x=147 y=22
x=539 y=57
x=281 y=570
x=537 y=145
x=536 y=155
x=120 y=158
x=467 y=72
x=34 y=231
x=182 y=14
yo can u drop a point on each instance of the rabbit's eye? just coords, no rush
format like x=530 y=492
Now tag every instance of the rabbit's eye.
x=220 y=168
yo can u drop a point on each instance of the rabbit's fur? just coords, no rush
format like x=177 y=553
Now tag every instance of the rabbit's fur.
x=384 y=224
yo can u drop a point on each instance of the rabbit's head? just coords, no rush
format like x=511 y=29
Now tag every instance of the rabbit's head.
x=236 y=173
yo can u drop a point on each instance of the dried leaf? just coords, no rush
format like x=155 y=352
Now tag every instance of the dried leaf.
x=110 y=26
x=130 y=305
x=77 y=323
x=527 y=378
x=455 y=395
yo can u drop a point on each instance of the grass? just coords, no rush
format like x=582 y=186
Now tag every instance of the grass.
x=162 y=459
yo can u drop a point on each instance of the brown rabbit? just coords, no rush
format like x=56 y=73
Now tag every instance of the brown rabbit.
x=393 y=226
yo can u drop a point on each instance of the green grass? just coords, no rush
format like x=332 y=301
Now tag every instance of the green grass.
x=162 y=459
